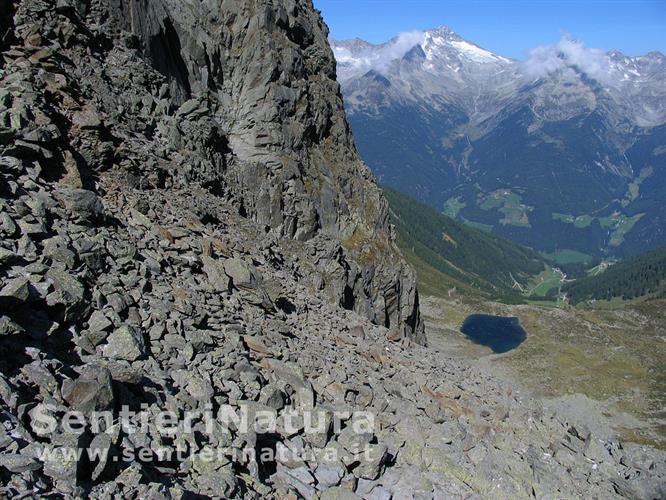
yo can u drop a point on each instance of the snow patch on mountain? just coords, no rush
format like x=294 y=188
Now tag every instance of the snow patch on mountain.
x=476 y=53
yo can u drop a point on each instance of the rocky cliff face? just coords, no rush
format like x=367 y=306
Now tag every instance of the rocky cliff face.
x=185 y=227
x=262 y=76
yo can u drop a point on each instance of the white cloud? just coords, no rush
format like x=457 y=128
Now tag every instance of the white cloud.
x=544 y=60
x=568 y=52
x=397 y=48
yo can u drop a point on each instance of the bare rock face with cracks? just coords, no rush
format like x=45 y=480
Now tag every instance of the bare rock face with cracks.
x=262 y=77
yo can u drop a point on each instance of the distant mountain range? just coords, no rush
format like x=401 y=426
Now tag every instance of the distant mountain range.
x=564 y=152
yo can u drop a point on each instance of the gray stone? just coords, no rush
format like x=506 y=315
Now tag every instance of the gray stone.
x=8 y=327
x=7 y=224
x=215 y=478
x=57 y=251
x=217 y=278
x=188 y=107
x=272 y=396
x=243 y=275
x=378 y=493
x=39 y=375
x=357 y=331
x=37 y=425
x=289 y=477
x=355 y=439
x=329 y=475
x=87 y=118
x=69 y=293
x=200 y=388
x=7 y=257
x=125 y=343
x=320 y=427
x=17 y=464
x=131 y=476
x=92 y=391
x=372 y=459
x=101 y=444
x=98 y=322
x=82 y=204
x=595 y=450
x=62 y=464
x=17 y=289
x=338 y=493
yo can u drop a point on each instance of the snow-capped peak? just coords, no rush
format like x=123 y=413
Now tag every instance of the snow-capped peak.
x=440 y=39
x=443 y=49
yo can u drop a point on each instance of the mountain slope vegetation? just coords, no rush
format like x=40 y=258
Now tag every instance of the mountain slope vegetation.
x=637 y=277
x=447 y=253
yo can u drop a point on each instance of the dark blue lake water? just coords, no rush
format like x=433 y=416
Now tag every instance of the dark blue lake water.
x=499 y=333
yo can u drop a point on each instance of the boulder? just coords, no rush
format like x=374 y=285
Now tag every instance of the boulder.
x=82 y=204
x=87 y=118
x=9 y=327
x=338 y=493
x=69 y=294
x=63 y=463
x=17 y=290
x=125 y=343
x=215 y=272
x=17 y=464
x=243 y=276
x=92 y=391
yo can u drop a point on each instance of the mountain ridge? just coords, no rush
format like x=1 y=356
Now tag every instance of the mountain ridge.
x=456 y=125
x=292 y=165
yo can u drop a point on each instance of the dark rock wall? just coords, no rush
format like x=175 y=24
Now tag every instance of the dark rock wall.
x=267 y=73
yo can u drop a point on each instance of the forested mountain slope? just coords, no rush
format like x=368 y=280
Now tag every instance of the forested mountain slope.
x=465 y=257
x=640 y=276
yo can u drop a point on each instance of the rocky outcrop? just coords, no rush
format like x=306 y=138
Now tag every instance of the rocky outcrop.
x=263 y=77
x=140 y=271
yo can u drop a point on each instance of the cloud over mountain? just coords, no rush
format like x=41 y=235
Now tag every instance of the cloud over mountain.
x=360 y=56
x=548 y=59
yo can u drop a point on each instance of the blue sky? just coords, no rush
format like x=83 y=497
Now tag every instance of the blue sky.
x=507 y=27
